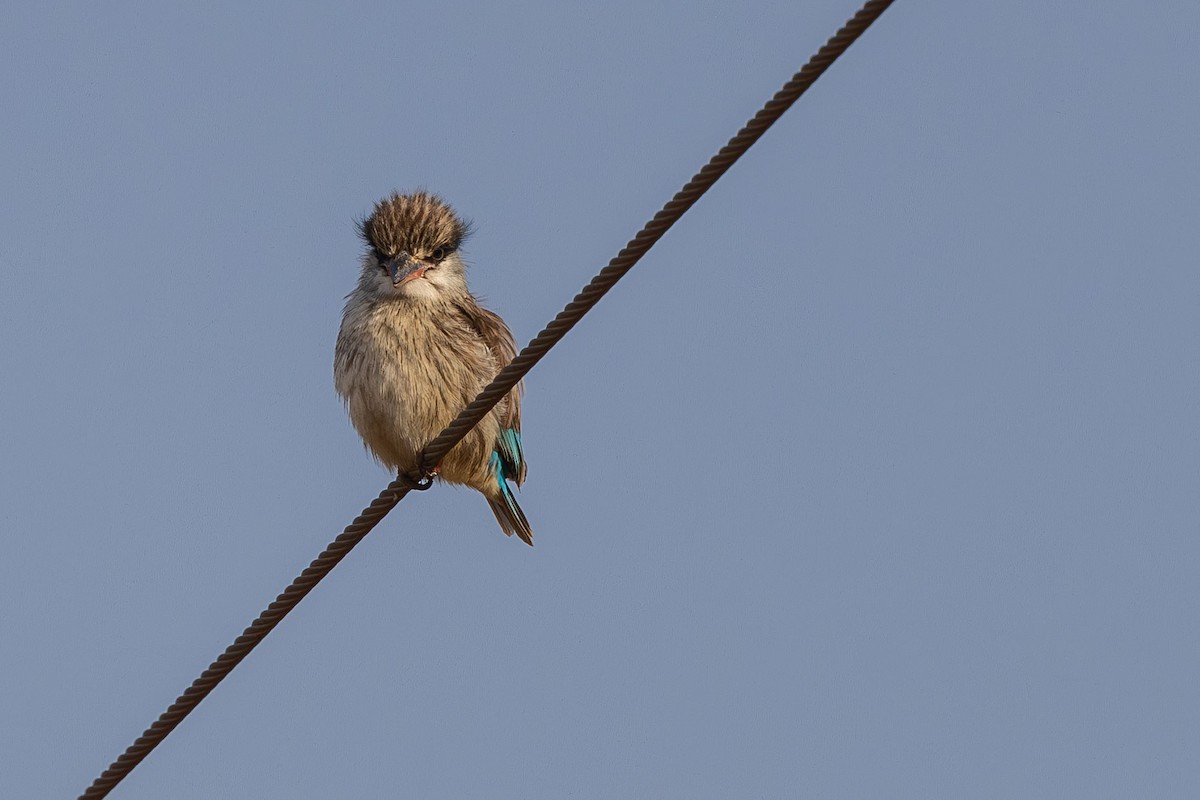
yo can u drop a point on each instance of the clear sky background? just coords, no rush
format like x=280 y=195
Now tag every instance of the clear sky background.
x=878 y=477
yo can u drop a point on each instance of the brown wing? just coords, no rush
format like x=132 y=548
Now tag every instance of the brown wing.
x=499 y=340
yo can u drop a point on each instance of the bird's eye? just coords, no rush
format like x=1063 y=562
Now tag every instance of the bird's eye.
x=440 y=253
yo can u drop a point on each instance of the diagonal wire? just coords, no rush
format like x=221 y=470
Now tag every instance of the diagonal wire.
x=470 y=416
x=649 y=235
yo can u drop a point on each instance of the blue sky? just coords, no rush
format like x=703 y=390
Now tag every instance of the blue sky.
x=876 y=478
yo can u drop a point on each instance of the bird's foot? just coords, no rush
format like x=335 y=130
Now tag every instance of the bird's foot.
x=415 y=484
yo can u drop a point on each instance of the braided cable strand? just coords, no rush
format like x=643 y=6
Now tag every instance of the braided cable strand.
x=250 y=638
x=470 y=416
x=649 y=235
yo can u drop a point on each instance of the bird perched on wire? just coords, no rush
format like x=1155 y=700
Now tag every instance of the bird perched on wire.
x=415 y=348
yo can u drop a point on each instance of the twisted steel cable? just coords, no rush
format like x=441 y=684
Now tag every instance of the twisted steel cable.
x=649 y=235
x=470 y=416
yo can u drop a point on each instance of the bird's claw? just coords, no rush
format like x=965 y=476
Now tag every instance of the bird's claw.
x=415 y=484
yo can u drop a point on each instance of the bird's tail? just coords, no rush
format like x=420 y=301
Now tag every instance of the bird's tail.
x=510 y=516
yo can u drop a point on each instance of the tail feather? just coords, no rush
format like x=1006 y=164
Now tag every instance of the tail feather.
x=511 y=517
x=508 y=513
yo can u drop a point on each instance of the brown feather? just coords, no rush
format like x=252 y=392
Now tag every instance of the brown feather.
x=496 y=335
x=417 y=224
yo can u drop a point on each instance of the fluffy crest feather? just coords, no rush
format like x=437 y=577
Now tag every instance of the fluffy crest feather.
x=416 y=223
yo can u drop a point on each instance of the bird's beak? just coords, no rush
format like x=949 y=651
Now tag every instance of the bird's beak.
x=404 y=268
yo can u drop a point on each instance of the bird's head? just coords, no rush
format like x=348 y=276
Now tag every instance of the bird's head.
x=413 y=242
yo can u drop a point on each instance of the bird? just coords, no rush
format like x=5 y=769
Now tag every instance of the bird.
x=415 y=347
